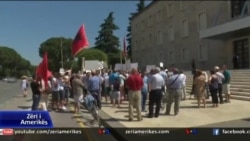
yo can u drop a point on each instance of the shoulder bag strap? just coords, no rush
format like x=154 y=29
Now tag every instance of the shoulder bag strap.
x=173 y=81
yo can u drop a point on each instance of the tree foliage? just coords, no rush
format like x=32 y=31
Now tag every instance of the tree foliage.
x=129 y=36
x=93 y=54
x=140 y=7
x=58 y=49
x=12 y=63
x=107 y=41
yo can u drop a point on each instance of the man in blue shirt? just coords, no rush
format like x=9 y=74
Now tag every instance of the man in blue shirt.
x=112 y=77
x=94 y=87
x=174 y=87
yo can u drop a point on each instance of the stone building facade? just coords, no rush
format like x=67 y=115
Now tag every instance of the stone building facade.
x=177 y=32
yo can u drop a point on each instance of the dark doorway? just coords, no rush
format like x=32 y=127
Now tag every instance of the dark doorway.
x=241 y=49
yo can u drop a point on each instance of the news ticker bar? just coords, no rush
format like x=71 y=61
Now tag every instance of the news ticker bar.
x=129 y=131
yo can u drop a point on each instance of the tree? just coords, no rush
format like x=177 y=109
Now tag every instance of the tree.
x=107 y=41
x=129 y=36
x=12 y=63
x=58 y=49
x=140 y=7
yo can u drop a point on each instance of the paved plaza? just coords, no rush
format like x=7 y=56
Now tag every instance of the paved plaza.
x=189 y=116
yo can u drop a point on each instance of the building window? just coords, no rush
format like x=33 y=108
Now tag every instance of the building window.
x=142 y=25
x=159 y=35
x=135 y=45
x=150 y=40
x=202 y=21
x=159 y=15
x=171 y=57
x=170 y=9
x=185 y=55
x=171 y=33
x=143 y=42
x=203 y=54
x=183 y=5
x=150 y=20
x=238 y=7
x=185 y=29
x=161 y=57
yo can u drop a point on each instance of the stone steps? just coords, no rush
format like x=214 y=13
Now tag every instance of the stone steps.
x=240 y=97
x=240 y=84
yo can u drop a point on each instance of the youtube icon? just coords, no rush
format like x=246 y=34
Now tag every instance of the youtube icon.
x=7 y=132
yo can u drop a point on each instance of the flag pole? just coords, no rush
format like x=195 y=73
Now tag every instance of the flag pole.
x=61 y=51
x=121 y=54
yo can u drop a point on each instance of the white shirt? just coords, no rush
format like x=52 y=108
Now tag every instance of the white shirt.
x=184 y=77
x=220 y=77
x=122 y=78
x=106 y=81
x=54 y=88
x=24 y=83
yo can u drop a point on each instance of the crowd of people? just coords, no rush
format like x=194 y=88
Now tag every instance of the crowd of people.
x=215 y=86
x=135 y=87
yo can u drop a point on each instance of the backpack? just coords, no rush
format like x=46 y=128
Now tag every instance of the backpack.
x=89 y=102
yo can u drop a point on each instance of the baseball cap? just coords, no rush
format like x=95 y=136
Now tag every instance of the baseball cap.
x=216 y=68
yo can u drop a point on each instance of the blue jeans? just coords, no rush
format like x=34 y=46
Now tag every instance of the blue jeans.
x=36 y=100
x=144 y=99
x=96 y=95
x=66 y=93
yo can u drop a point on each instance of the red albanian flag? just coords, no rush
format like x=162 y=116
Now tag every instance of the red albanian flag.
x=42 y=70
x=80 y=42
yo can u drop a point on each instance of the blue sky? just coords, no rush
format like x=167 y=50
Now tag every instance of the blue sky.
x=25 y=25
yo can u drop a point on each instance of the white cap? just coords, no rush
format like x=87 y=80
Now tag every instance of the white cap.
x=216 y=68
x=166 y=69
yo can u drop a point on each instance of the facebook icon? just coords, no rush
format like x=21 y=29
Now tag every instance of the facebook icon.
x=216 y=132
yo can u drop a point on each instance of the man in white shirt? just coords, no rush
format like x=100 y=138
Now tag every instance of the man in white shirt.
x=220 y=79
x=106 y=86
x=156 y=82
x=183 y=97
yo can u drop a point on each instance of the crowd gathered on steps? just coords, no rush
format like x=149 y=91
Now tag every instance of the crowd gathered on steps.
x=134 y=86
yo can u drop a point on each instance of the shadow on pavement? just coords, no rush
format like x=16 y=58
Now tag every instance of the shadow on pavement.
x=163 y=114
x=116 y=119
x=66 y=112
x=122 y=111
x=246 y=119
x=29 y=100
x=186 y=107
x=77 y=116
x=24 y=107
x=208 y=102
